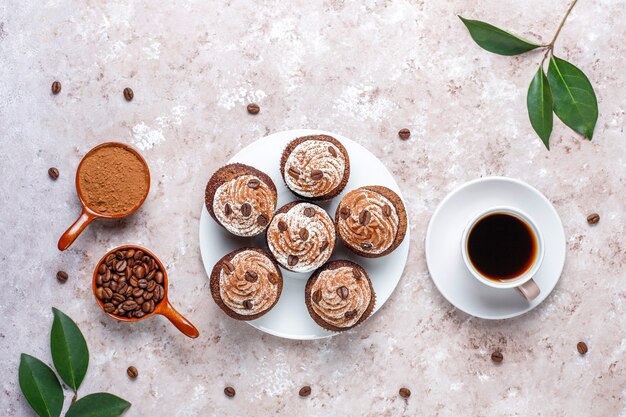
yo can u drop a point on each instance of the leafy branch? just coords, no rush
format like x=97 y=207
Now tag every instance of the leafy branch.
x=41 y=387
x=565 y=91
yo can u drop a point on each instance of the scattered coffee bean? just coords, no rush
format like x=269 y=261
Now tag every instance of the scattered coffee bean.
x=253 y=108
x=53 y=173
x=350 y=314
x=404 y=134
x=305 y=391
x=367 y=245
x=227 y=210
x=132 y=372
x=497 y=356
x=323 y=246
x=309 y=212
x=247 y=305
x=246 y=209
x=62 y=276
x=251 y=276
x=229 y=392
x=228 y=267
x=582 y=347
x=303 y=233
x=292 y=260
x=365 y=217
x=254 y=183
x=272 y=278
x=344 y=213
x=332 y=151
x=593 y=218
x=386 y=211
x=55 y=87
x=282 y=226
x=262 y=220
x=129 y=283
x=343 y=292
x=128 y=94
x=404 y=392
x=317 y=296
x=316 y=175
x=294 y=172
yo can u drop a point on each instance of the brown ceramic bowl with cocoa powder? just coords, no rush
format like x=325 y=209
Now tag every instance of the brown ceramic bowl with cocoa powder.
x=162 y=307
x=112 y=181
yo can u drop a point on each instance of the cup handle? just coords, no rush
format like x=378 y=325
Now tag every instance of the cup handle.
x=180 y=321
x=529 y=290
x=75 y=229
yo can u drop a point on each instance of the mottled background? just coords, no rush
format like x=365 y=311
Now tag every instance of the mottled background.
x=363 y=69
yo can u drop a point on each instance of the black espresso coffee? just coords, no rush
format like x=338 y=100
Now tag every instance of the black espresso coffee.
x=501 y=246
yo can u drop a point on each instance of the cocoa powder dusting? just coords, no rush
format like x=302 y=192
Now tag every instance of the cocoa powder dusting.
x=113 y=180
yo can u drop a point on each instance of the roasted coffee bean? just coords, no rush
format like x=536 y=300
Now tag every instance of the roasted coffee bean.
x=139 y=272
x=253 y=108
x=365 y=217
x=294 y=172
x=344 y=213
x=251 y=276
x=254 y=183
x=228 y=267
x=107 y=276
x=386 y=211
x=130 y=253
x=158 y=277
x=262 y=220
x=99 y=281
x=309 y=212
x=129 y=305
x=142 y=283
x=159 y=293
x=133 y=281
x=102 y=269
x=292 y=260
x=229 y=392
x=227 y=210
x=139 y=300
x=138 y=255
x=593 y=218
x=122 y=288
x=100 y=293
x=109 y=259
x=151 y=285
x=332 y=151
x=107 y=293
x=367 y=245
x=323 y=246
x=497 y=356
x=247 y=305
x=55 y=87
x=129 y=291
x=404 y=392
x=282 y=226
x=138 y=314
x=272 y=278
x=151 y=275
x=356 y=273
x=246 y=209
x=120 y=255
x=305 y=391
x=128 y=94
x=109 y=307
x=343 y=292
x=582 y=347
x=137 y=292
x=147 y=295
x=120 y=266
x=62 y=276
x=350 y=314
x=316 y=175
x=53 y=173
x=113 y=285
x=132 y=372
x=148 y=307
x=119 y=298
x=404 y=134
x=304 y=234
x=317 y=296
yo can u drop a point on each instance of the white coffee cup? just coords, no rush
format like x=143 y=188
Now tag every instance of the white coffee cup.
x=524 y=283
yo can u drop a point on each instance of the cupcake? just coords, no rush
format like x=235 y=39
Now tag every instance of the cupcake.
x=339 y=296
x=371 y=221
x=246 y=283
x=301 y=236
x=241 y=198
x=315 y=167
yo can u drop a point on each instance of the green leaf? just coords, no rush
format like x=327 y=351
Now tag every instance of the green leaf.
x=69 y=350
x=497 y=40
x=101 y=404
x=539 y=103
x=40 y=386
x=574 y=100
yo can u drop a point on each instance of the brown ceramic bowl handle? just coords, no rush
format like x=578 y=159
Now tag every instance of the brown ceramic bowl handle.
x=529 y=290
x=76 y=229
x=180 y=321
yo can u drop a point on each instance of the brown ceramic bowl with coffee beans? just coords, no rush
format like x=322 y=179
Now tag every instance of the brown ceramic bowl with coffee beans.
x=130 y=284
x=116 y=191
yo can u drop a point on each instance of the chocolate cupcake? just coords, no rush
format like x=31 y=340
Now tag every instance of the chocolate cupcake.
x=371 y=221
x=315 y=167
x=339 y=296
x=246 y=283
x=301 y=236
x=241 y=198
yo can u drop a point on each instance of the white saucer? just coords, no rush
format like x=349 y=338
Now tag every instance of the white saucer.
x=290 y=318
x=443 y=246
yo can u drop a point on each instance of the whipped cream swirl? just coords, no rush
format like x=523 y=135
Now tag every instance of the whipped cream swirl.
x=253 y=293
x=368 y=221
x=303 y=238
x=341 y=296
x=314 y=168
x=244 y=205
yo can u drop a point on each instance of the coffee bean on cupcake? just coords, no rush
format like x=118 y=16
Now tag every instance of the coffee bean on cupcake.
x=371 y=221
x=246 y=283
x=315 y=167
x=301 y=236
x=339 y=296
x=241 y=198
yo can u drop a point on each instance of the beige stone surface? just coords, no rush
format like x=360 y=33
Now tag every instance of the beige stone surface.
x=363 y=69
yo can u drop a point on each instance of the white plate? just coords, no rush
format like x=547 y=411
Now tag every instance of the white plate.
x=443 y=246
x=290 y=318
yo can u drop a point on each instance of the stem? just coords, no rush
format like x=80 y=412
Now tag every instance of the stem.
x=558 y=30
x=75 y=396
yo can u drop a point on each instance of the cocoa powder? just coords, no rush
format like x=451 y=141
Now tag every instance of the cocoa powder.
x=113 y=180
